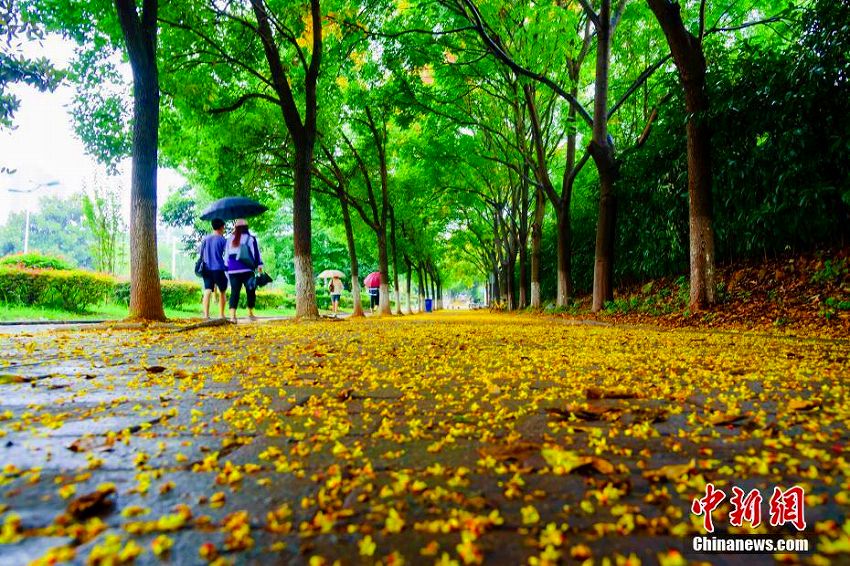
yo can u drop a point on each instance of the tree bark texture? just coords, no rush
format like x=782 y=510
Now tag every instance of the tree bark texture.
x=688 y=56
x=305 y=286
x=395 y=262
x=383 y=267
x=420 y=280
x=603 y=156
x=409 y=284
x=139 y=33
x=352 y=256
x=304 y=137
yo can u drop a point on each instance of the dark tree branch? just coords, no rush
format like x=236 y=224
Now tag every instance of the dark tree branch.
x=644 y=76
x=773 y=20
x=242 y=100
x=219 y=50
x=362 y=28
x=500 y=54
x=591 y=14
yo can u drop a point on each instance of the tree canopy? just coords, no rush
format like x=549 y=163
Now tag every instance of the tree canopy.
x=531 y=148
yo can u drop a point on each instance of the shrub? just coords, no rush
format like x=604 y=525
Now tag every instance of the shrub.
x=35 y=260
x=71 y=290
x=175 y=294
x=346 y=301
x=269 y=300
x=832 y=272
x=121 y=293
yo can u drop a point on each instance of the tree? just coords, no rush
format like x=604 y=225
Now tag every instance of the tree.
x=303 y=137
x=139 y=30
x=686 y=49
x=101 y=24
x=102 y=214
x=14 y=66
x=56 y=228
x=216 y=36
x=337 y=186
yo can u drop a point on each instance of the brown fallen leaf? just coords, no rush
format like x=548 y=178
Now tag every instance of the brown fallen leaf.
x=568 y=461
x=89 y=443
x=155 y=369
x=92 y=504
x=83 y=444
x=613 y=393
x=602 y=466
x=6 y=378
x=670 y=472
x=589 y=413
x=518 y=451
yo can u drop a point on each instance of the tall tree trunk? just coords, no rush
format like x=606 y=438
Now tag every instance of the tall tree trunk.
x=409 y=267
x=420 y=280
x=139 y=33
x=523 y=275
x=603 y=155
x=565 y=229
x=688 y=56
x=511 y=271
x=395 y=262
x=304 y=136
x=564 y=251
x=305 y=286
x=383 y=267
x=536 y=239
x=352 y=256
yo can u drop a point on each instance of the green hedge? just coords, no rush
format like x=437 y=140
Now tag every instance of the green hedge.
x=175 y=294
x=71 y=290
x=36 y=260
x=77 y=290
x=268 y=300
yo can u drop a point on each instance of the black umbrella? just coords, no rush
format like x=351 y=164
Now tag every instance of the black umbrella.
x=231 y=208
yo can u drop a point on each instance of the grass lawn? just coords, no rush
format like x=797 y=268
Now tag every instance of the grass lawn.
x=109 y=311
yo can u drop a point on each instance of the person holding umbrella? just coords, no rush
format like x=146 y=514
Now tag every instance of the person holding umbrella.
x=212 y=255
x=335 y=286
x=373 y=284
x=243 y=257
x=335 y=289
x=242 y=253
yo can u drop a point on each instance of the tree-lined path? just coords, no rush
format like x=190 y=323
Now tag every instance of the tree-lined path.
x=462 y=437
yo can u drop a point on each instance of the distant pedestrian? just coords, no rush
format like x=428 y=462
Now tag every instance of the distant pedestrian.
x=211 y=251
x=335 y=289
x=374 y=298
x=243 y=257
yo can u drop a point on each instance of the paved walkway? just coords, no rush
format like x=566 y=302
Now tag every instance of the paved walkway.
x=467 y=437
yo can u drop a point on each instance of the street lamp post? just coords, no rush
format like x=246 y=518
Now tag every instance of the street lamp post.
x=27 y=223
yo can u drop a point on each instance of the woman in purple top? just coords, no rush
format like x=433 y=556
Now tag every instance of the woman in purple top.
x=241 y=244
x=212 y=254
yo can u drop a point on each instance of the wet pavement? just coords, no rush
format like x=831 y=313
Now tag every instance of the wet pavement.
x=455 y=437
